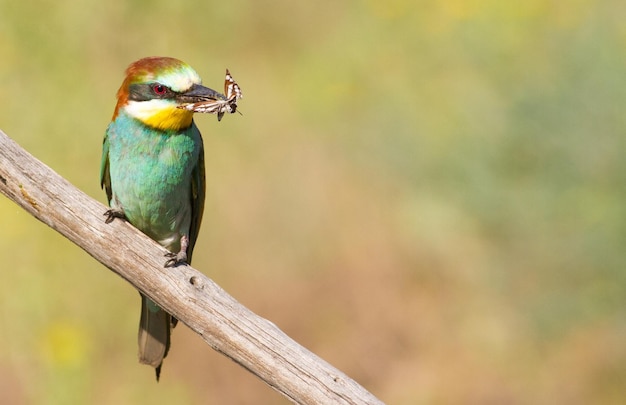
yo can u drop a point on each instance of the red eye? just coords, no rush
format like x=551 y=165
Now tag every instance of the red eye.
x=159 y=89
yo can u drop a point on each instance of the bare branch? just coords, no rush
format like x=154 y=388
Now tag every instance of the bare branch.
x=226 y=325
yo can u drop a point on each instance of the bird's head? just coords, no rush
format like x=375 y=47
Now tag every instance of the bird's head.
x=156 y=87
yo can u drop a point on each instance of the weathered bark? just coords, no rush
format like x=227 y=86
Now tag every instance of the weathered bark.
x=226 y=325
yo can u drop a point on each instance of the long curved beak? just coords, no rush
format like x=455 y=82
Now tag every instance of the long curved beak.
x=198 y=93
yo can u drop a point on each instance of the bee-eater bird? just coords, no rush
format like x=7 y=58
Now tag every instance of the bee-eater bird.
x=152 y=170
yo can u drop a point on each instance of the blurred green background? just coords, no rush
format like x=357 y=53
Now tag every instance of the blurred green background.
x=431 y=195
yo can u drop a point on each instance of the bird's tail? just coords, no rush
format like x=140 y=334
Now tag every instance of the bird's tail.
x=154 y=334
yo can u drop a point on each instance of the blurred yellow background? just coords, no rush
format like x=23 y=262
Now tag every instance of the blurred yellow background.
x=430 y=195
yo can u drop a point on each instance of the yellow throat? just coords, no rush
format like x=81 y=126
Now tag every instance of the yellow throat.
x=160 y=114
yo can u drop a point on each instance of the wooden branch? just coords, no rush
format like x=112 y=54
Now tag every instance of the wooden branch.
x=226 y=325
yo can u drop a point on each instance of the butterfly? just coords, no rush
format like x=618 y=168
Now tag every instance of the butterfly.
x=228 y=104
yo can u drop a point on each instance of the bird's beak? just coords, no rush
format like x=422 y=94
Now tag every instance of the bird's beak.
x=198 y=93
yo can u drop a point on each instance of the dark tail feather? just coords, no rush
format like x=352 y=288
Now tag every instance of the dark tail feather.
x=154 y=334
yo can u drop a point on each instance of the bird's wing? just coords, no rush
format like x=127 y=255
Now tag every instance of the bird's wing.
x=198 y=190
x=105 y=176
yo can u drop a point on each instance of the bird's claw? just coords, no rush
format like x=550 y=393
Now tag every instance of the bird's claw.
x=175 y=259
x=112 y=214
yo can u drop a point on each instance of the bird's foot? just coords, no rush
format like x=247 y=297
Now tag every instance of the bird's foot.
x=176 y=258
x=181 y=256
x=112 y=214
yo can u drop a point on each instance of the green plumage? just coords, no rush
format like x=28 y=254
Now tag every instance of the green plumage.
x=155 y=179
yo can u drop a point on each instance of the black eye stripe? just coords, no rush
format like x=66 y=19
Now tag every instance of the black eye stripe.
x=148 y=91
